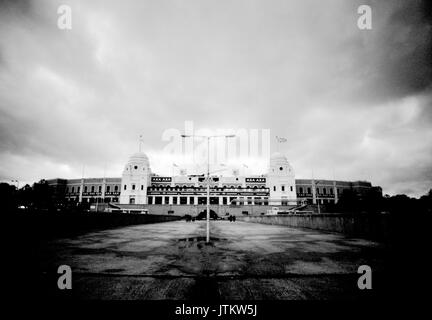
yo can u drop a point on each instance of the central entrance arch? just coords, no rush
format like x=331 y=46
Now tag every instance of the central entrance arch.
x=203 y=215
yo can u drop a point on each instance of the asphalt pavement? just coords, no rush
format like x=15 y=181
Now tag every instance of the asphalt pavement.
x=244 y=261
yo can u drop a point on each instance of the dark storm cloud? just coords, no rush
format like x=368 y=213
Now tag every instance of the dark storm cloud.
x=407 y=50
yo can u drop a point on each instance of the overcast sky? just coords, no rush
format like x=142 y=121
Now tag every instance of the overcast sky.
x=353 y=104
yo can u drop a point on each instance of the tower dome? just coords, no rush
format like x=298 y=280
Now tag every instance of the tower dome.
x=277 y=156
x=139 y=158
x=279 y=164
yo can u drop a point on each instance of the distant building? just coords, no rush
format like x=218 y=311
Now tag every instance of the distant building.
x=139 y=186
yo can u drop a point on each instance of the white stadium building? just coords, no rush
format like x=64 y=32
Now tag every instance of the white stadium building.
x=139 y=188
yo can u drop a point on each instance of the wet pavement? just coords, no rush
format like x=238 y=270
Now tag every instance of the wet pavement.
x=243 y=261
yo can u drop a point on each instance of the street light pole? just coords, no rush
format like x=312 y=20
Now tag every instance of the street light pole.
x=317 y=198
x=208 y=192
x=208 y=176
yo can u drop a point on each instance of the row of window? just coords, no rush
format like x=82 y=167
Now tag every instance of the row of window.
x=282 y=188
x=322 y=190
x=93 y=188
x=115 y=188
x=133 y=187
x=203 y=200
x=94 y=200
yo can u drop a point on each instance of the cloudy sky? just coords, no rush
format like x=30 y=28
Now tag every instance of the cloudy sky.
x=352 y=104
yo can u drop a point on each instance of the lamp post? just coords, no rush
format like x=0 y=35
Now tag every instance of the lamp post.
x=317 y=198
x=208 y=175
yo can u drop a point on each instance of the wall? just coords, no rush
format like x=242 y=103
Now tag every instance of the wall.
x=364 y=226
x=221 y=210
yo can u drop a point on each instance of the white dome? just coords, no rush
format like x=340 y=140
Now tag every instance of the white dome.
x=139 y=158
x=279 y=164
x=278 y=157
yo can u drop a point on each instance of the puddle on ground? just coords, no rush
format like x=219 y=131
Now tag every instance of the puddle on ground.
x=200 y=241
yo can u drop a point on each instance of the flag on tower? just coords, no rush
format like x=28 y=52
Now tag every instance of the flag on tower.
x=280 y=139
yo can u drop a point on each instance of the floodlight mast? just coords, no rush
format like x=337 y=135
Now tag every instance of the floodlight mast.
x=208 y=175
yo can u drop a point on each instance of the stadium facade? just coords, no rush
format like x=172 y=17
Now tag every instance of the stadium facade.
x=138 y=186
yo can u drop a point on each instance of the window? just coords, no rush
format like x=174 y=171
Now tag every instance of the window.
x=100 y=188
x=166 y=200
x=280 y=168
x=135 y=167
x=191 y=200
x=158 y=200
x=78 y=189
x=308 y=190
x=174 y=200
x=142 y=187
x=133 y=187
x=324 y=190
x=92 y=189
x=300 y=190
x=274 y=188
x=183 y=200
x=150 y=200
x=291 y=188
x=331 y=190
x=73 y=189
x=283 y=188
x=224 y=200
x=124 y=187
x=108 y=188
x=116 y=188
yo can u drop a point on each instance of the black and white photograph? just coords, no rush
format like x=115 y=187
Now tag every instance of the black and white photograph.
x=215 y=156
